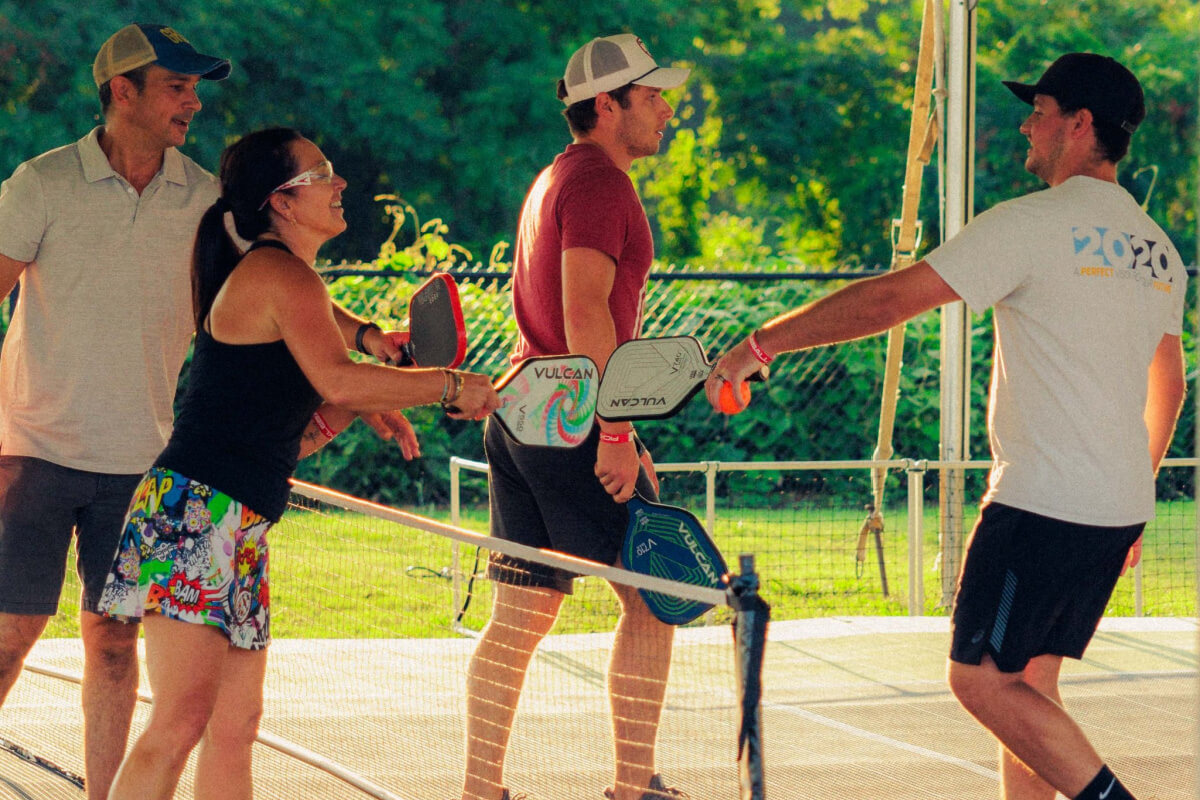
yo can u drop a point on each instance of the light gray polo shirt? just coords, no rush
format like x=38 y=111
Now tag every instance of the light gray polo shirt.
x=90 y=362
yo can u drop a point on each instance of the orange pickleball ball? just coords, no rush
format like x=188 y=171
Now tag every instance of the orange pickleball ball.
x=726 y=399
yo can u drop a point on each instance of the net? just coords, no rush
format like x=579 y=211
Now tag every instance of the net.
x=376 y=613
x=392 y=702
x=368 y=672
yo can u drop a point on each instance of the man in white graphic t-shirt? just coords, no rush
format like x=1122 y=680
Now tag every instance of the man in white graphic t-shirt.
x=1088 y=297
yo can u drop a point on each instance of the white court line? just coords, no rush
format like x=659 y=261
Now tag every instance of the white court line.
x=969 y=766
x=835 y=627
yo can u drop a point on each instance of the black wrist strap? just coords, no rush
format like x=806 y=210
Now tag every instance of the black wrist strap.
x=362 y=332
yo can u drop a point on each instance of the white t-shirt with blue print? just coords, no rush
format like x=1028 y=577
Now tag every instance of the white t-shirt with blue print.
x=1083 y=285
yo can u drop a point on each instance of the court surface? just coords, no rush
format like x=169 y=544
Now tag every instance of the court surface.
x=853 y=708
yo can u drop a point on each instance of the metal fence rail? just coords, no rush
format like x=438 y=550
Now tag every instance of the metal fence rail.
x=812 y=545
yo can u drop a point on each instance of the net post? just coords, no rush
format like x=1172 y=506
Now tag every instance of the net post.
x=751 y=614
x=711 y=468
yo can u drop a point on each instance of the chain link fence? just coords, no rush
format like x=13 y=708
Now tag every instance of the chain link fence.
x=820 y=404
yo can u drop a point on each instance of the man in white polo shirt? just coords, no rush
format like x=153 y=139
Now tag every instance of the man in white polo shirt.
x=99 y=234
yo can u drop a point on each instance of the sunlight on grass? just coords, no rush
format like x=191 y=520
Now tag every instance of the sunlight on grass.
x=337 y=574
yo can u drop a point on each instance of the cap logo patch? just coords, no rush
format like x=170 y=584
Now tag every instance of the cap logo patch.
x=172 y=35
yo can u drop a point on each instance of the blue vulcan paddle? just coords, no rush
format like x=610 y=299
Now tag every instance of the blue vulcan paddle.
x=669 y=542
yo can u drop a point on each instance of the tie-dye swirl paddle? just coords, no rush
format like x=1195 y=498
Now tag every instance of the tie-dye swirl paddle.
x=549 y=401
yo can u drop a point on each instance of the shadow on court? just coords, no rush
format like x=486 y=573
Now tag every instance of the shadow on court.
x=853 y=708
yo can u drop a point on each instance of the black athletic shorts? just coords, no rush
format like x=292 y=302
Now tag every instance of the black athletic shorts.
x=550 y=497
x=41 y=506
x=1033 y=586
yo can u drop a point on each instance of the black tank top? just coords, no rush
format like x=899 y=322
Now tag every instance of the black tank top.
x=239 y=426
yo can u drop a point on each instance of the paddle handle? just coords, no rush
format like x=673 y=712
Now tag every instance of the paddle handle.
x=406 y=357
x=760 y=375
x=636 y=503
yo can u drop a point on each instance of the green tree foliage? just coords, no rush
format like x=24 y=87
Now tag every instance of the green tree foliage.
x=815 y=125
x=1159 y=40
x=789 y=139
x=787 y=151
x=814 y=115
x=451 y=102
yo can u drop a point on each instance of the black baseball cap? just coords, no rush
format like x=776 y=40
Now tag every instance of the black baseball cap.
x=1087 y=80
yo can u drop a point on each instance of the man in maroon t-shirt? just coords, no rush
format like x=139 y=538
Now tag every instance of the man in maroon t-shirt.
x=582 y=257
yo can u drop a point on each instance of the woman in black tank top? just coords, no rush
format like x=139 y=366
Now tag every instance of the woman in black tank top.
x=271 y=380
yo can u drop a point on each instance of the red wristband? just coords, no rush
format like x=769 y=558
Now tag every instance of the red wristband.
x=756 y=348
x=616 y=438
x=323 y=426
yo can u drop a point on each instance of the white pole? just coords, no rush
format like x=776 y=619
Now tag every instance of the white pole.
x=1196 y=478
x=455 y=519
x=916 y=538
x=955 y=345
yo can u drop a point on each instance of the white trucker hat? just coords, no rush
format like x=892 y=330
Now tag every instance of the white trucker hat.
x=609 y=63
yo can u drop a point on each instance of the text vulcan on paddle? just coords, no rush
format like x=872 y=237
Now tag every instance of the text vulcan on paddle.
x=563 y=373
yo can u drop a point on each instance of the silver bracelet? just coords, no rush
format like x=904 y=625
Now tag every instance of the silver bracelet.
x=448 y=402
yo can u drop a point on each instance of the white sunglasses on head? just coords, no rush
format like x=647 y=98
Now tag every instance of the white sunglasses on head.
x=321 y=173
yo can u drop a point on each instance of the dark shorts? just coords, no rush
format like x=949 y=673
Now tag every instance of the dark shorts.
x=550 y=497
x=41 y=505
x=1033 y=586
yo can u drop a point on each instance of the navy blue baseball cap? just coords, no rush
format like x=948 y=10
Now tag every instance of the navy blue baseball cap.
x=140 y=44
x=1087 y=80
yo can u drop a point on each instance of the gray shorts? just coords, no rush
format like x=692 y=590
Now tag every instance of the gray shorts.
x=41 y=506
x=550 y=497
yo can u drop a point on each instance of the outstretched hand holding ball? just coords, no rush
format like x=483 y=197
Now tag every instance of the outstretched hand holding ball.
x=726 y=387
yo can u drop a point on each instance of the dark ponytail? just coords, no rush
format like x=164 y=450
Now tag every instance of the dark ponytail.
x=250 y=168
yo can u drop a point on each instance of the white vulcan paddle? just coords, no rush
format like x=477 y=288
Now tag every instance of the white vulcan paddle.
x=654 y=378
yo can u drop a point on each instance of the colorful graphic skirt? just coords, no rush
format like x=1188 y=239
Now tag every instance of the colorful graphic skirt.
x=194 y=554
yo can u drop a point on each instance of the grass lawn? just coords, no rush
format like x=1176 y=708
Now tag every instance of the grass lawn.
x=337 y=574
